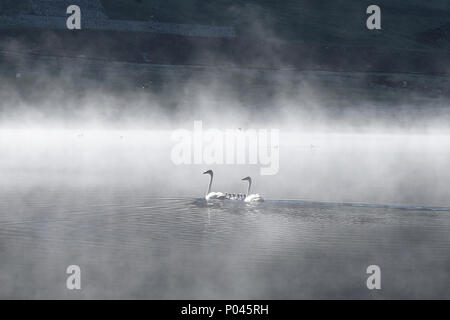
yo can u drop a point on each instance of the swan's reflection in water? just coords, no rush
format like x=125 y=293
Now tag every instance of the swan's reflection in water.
x=215 y=210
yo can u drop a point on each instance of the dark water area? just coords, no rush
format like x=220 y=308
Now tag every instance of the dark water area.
x=130 y=245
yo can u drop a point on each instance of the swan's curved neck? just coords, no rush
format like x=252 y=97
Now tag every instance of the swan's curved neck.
x=210 y=184
x=249 y=185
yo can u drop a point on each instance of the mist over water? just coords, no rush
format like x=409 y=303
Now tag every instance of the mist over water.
x=87 y=178
x=373 y=168
x=109 y=199
x=70 y=130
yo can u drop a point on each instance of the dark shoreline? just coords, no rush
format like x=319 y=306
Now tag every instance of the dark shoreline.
x=243 y=51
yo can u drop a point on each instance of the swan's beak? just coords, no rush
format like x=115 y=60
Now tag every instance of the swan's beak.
x=246 y=178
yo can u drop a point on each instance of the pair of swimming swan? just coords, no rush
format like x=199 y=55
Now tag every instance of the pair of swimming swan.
x=231 y=196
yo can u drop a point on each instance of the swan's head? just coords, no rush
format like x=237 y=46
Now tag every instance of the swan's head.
x=247 y=179
x=208 y=172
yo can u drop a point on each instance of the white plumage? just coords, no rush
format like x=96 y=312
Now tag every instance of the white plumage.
x=252 y=197
x=231 y=196
x=213 y=195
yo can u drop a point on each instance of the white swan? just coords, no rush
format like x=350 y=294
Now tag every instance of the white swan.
x=213 y=195
x=252 y=197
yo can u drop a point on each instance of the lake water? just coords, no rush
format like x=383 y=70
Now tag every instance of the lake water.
x=130 y=245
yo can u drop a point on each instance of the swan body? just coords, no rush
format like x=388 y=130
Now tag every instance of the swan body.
x=213 y=195
x=252 y=197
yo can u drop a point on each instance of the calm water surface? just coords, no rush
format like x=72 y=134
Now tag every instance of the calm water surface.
x=129 y=245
